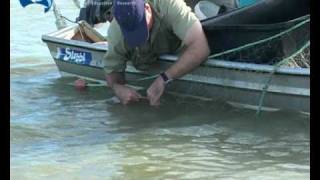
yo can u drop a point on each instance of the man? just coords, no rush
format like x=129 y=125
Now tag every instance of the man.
x=140 y=32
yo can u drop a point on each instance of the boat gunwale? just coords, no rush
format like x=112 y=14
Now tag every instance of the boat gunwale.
x=244 y=66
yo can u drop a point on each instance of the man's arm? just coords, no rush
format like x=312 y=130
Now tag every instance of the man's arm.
x=115 y=64
x=197 y=50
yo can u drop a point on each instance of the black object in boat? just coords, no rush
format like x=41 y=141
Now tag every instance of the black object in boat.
x=256 y=22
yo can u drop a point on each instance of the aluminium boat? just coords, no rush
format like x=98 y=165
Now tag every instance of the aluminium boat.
x=79 y=50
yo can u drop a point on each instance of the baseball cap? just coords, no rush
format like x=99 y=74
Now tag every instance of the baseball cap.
x=130 y=15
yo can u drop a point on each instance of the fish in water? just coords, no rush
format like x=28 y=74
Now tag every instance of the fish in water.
x=46 y=3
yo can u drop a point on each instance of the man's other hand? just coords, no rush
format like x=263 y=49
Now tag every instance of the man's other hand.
x=126 y=94
x=155 y=91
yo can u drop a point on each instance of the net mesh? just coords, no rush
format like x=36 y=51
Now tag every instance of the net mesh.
x=275 y=49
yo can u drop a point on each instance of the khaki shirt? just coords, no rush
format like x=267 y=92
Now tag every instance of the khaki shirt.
x=172 y=19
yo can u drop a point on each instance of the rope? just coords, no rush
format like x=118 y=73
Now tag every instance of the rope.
x=260 y=41
x=146 y=78
x=69 y=19
x=80 y=29
x=59 y=17
x=276 y=67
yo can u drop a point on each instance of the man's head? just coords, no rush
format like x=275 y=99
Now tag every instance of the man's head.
x=135 y=20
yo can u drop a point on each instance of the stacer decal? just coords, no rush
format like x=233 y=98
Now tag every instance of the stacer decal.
x=74 y=56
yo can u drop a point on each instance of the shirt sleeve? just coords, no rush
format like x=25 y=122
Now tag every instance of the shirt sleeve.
x=116 y=57
x=179 y=16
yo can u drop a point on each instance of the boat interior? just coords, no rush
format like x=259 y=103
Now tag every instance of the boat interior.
x=81 y=32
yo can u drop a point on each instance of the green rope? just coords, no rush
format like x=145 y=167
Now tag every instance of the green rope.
x=146 y=78
x=276 y=67
x=260 y=41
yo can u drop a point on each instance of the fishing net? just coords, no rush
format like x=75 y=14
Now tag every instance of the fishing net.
x=289 y=47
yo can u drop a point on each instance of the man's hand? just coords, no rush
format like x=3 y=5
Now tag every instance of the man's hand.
x=126 y=94
x=155 y=91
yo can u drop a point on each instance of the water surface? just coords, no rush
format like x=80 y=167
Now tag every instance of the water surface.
x=57 y=132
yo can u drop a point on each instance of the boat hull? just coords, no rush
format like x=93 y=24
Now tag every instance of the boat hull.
x=215 y=79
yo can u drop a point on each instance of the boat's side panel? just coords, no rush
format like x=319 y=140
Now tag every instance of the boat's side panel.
x=285 y=91
x=80 y=70
x=240 y=95
x=250 y=80
x=215 y=91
